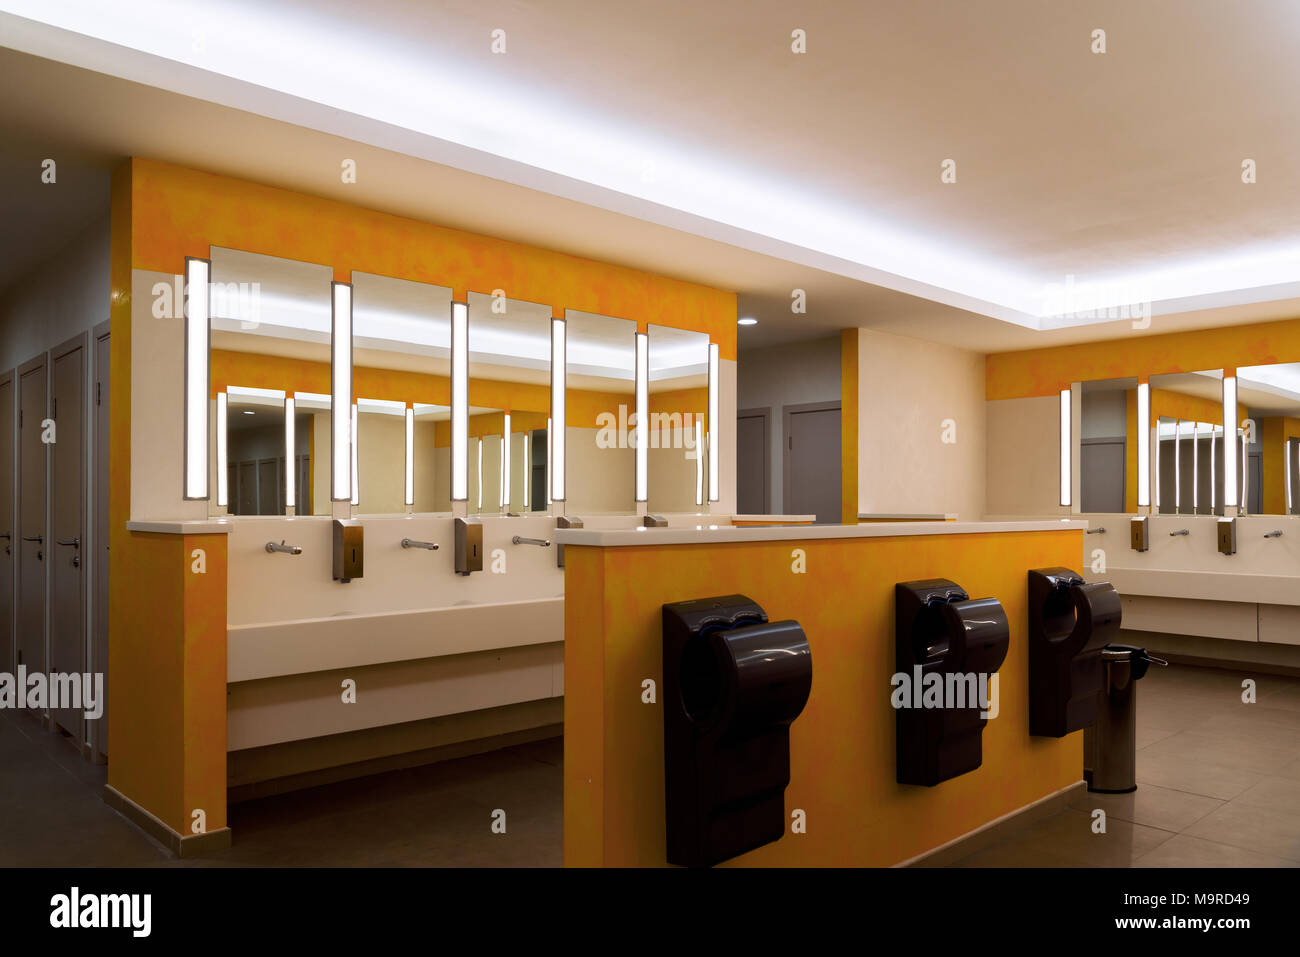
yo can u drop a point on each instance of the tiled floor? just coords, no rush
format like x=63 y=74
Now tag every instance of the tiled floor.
x=1218 y=784
x=52 y=814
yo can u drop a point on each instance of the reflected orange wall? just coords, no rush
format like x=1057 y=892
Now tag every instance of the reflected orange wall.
x=849 y=426
x=180 y=212
x=1274 y=432
x=857 y=816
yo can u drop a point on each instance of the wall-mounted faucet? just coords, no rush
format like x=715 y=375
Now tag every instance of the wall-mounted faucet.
x=1276 y=533
x=1095 y=531
x=541 y=542
x=412 y=543
x=282 y=547
x=1181 y=531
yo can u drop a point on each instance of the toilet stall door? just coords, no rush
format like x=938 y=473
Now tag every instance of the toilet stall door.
x=66 y=554
x=7 y=535
x=30 y=549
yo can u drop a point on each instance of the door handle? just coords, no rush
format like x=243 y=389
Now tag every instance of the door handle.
x=39 y=539
x=75 y=543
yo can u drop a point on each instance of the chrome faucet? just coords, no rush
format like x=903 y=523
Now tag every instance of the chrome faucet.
x=1095 y=531
x=1181 y=531
x=541 y=542
x=282 y=547
x=412 y=543
x=1276 y=533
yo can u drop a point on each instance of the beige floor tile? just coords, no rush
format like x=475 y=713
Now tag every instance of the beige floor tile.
x=1234 y=750
x=1174 y=771
x=1276 y=793
x=1147 y=735
x=1291 y=772
x=1015 y=853
x=1255 y=828
x=1069 y=836
x=1150 y=805
x=1183 y=850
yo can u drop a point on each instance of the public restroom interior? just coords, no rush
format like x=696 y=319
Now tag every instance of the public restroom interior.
x=326 y=338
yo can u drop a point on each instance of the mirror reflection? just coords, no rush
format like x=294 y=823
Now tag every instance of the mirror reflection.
x=1108 y=445
x=510 y=401
x=1272 y=395
x=401 y=358
x=1187 y=409
x=600 y=396
x=679 y=406
x=270 y=341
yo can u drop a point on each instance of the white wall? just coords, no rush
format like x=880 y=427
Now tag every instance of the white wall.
x=1024 y=456
x=789 y=374
x=907 y=389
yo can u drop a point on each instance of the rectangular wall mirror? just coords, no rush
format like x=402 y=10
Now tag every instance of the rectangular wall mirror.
x=1187 y=411
x=1271 y=393
x=401 y=358
x=1108 y=450
x=600 y=395
x=269 y=349
x=509 y=404
x=679 y=405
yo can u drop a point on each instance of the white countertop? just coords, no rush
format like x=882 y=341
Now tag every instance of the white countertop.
x=710 y=534
x=772 y=518
x=1204 y=585
x=193 y=526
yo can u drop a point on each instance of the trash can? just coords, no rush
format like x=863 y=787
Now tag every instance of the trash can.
x=1110 y=745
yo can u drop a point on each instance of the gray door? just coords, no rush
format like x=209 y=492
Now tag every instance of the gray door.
x=7 y=523
x=753 y=462
x=1101 y=471
x=68 y=522
x=32 y=545
x=99 y=541
x=812 y=460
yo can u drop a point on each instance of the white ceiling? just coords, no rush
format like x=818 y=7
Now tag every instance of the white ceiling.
x=690 y=140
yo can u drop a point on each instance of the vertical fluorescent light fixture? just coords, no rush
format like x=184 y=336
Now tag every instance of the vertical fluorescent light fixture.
x=642 y=414
x=410 y=456
x=1213 y=468
x=480 y=473
x=527 y=503
x=550 y=457
x=555 y=436
x=1230 y=440
x=223 y=493
x=715 y=491
x=699 y=462
x=505 y=463
x=1065 y=446
x=354 y=471
x=1288 y=476
x=1196 y=467
x=197 y=273
x=1144 y=445
x=1178 y=465
x=459 y=402
x=290 y=456
x=341 y=431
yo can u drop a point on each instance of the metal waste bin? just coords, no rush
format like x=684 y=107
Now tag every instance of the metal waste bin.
x=1110 y=745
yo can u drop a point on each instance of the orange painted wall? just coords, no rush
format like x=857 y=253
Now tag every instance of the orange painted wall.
x=180 y=212
x=842 y=746
x=1036 y=372
x=167 y=625
x=1274 y=432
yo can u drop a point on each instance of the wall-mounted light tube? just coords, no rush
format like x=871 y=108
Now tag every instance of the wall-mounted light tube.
x=642 y=415
x=715 y=490
x=1214 y=468
x=223 y=492
x=550 y=457
x=354 y=471
x=410 y=456
x=1066 y=438
x=1196 y=467
x=527 y=503
x=505 y=463
x=197 y=274
x=459 y=401
x=699 y=462
x=341 y=431
x=1178 y=465
x=1144 y=445
x=1230 y=436
x=555 y=436
x=1289 y=444
x=480 y=473
x=290 y=456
